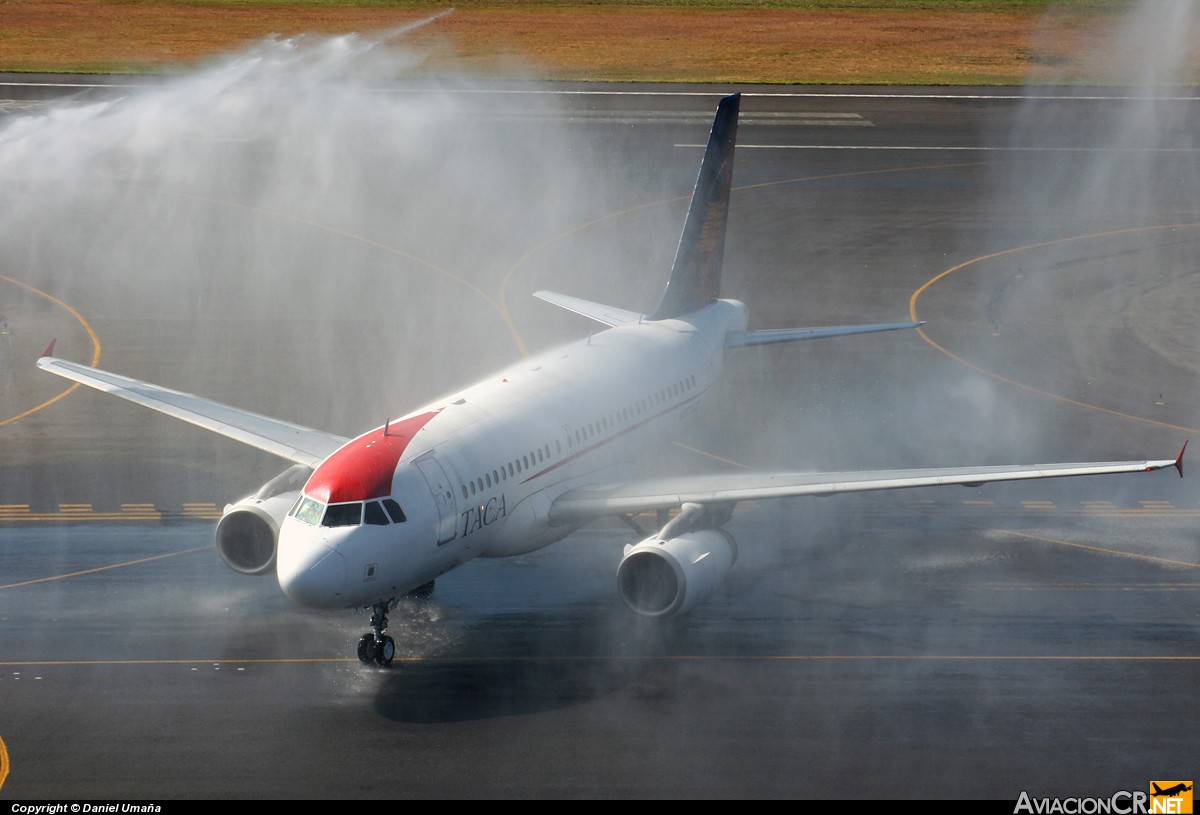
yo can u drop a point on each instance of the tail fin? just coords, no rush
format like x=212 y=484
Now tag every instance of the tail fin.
x=696 y=276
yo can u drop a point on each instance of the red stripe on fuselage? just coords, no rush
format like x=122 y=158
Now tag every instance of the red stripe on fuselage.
x=363 y=468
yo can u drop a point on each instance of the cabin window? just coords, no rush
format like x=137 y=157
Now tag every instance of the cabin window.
x=343 y=514
x=525 y=459
x=510 y=470
x=373 y=514
x=394 y=510
x=464 y=489
x=487 y=479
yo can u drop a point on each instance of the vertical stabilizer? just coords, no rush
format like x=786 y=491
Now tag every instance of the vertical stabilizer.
x=696 y=276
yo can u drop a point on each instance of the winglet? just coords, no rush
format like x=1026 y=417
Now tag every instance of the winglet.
x=1179 y=458
x=49 y=349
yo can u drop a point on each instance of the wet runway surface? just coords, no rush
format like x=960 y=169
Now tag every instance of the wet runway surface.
x=952 y=643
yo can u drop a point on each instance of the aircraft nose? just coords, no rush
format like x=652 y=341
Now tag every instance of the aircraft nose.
x=312 y=574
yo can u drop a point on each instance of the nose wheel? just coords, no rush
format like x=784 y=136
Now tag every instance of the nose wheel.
x=375 y=646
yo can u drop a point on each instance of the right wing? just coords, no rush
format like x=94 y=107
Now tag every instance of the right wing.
x=592 y=502
x=294 y=442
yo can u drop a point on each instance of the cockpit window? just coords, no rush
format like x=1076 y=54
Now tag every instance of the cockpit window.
x=394 y=510
x=308 y=510
x=373 y=514
x=343 y=514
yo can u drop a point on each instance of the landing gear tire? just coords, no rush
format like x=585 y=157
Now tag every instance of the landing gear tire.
x=366 y=648
x=375 y=646
x=385 y=651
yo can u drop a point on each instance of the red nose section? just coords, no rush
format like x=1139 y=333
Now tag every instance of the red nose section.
x=363 y=468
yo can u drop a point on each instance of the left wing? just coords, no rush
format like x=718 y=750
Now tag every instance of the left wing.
x=296 y=443
x=585 y=503
x=609 y=315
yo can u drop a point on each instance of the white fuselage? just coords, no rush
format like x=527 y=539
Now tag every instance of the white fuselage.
x=482 y=466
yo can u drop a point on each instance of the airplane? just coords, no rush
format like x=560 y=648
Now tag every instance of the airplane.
x=1172 y=791
x=534 y=452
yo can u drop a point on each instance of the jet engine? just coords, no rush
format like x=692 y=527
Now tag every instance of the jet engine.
x=661 y=578
x=248 y=532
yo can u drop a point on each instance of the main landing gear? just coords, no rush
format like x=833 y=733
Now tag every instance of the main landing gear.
x=375 y=646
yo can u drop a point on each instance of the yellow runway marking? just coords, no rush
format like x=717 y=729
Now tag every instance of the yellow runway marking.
x=104 y=568
x=3 y=763
x=916 y=295
x=86 y=327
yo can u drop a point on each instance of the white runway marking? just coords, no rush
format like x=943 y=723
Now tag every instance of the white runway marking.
x=1001 y=97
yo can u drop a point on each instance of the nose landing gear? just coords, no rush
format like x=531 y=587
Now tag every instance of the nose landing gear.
x=375 y=646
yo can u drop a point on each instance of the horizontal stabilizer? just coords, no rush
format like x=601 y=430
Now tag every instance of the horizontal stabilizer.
x=609 y=315
x=741 y=339
x=293 y=442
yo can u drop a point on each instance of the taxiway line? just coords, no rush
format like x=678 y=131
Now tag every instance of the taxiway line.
x=924 y=335
x=104 y=568
x=86 y=327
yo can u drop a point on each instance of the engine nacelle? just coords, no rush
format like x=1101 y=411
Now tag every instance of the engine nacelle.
x=248 y=532
x=660 y=578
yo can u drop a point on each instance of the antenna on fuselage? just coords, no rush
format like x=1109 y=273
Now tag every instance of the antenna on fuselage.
x=385 y=425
